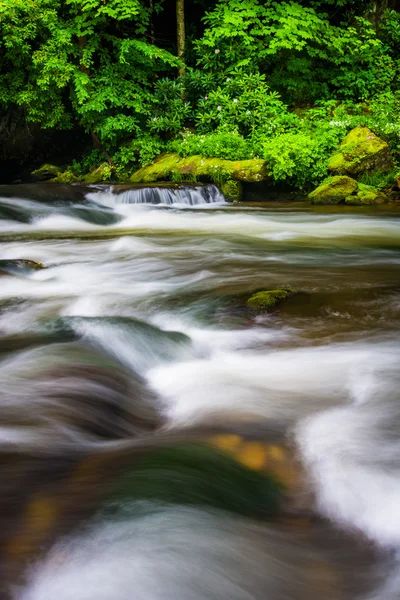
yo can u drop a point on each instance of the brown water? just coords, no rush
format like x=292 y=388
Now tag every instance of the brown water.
x=135 y=336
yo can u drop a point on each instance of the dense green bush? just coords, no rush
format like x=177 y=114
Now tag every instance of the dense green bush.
x=221 y=144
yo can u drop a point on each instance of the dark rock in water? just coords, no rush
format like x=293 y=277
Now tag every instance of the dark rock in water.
x=19 y=266
x=266 y=299
x=73 y=394
x=46 y=192
x=13 y=213
x=199 y=475
x=93 y=213
x=135 y=343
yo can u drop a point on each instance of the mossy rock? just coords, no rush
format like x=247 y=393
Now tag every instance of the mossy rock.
x=333 y=190
x=66 y=177
x=192 y=168
x=46 y=172
x=366 y=195
x=361 y=151
x=162 y=168
x=102 y=173
x=267 y=299
x=200 y=475
x=232 y=190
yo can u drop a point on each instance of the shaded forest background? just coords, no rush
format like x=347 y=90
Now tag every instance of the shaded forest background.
x=84 y=81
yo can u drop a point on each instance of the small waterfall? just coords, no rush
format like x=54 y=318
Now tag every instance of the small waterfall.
x=189 y=196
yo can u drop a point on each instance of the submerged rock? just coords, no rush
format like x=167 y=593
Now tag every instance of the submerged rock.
x=333 y=190
x=360 y=151
x=262 y=301
x=171 y=165
x=199 y=475
x=20 y=266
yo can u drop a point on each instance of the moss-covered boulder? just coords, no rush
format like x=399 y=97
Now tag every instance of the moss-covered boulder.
x=361 y=151
x=267 y=299
x=333 y=190
x=102 y=173
x=192 y=168
x=232 y=190
x=46 y=172
x=366 y=195
x=65 y=177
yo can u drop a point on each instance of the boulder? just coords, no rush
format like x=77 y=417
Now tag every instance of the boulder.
x=102 y=173
x=46 y=172
x=264 y=300
x=361 y=151
x=192 y=168
x=65 y=177
x=232 y=190
x=366 y=195
x=333 y=190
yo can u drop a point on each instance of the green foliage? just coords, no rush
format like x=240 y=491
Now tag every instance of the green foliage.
x=304 y=54
x=230 y=146
x=243 y=101
x=282 y=81
x=300 y=158
x=83 y=62
x=378 y=180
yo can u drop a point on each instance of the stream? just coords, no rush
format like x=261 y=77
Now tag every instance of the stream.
x=135 y=338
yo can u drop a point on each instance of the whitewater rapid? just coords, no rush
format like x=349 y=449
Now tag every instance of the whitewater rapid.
x=150 y=286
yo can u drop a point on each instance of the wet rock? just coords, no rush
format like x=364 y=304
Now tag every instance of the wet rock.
x=200 y=475
x=194 y=167
x=366 y=195
x=264 y=300
x=232 y=190
x=333 y=190
x=361 y=151
x=20 y=266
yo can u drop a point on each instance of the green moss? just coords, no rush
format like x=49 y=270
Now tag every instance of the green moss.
x=172 y=166
x=361 y=151
x=262 y=301
x=195 y=474
x=161 y=169
x=366 y=195
x=333 y=190
x=102 y=173
x=46 y=172
x=232 y=190
x=66 y=177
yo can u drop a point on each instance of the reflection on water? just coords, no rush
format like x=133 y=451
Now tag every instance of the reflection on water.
x=134 y=339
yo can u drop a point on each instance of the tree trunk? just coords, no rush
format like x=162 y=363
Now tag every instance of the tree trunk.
x=180 y=33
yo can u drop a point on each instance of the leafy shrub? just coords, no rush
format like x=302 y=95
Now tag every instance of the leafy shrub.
x=221 y=144
x=300 y=158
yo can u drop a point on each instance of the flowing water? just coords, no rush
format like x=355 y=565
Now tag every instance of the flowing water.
x=135 y=336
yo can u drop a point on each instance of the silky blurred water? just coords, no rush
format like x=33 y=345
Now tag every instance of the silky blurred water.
x=137 y=328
